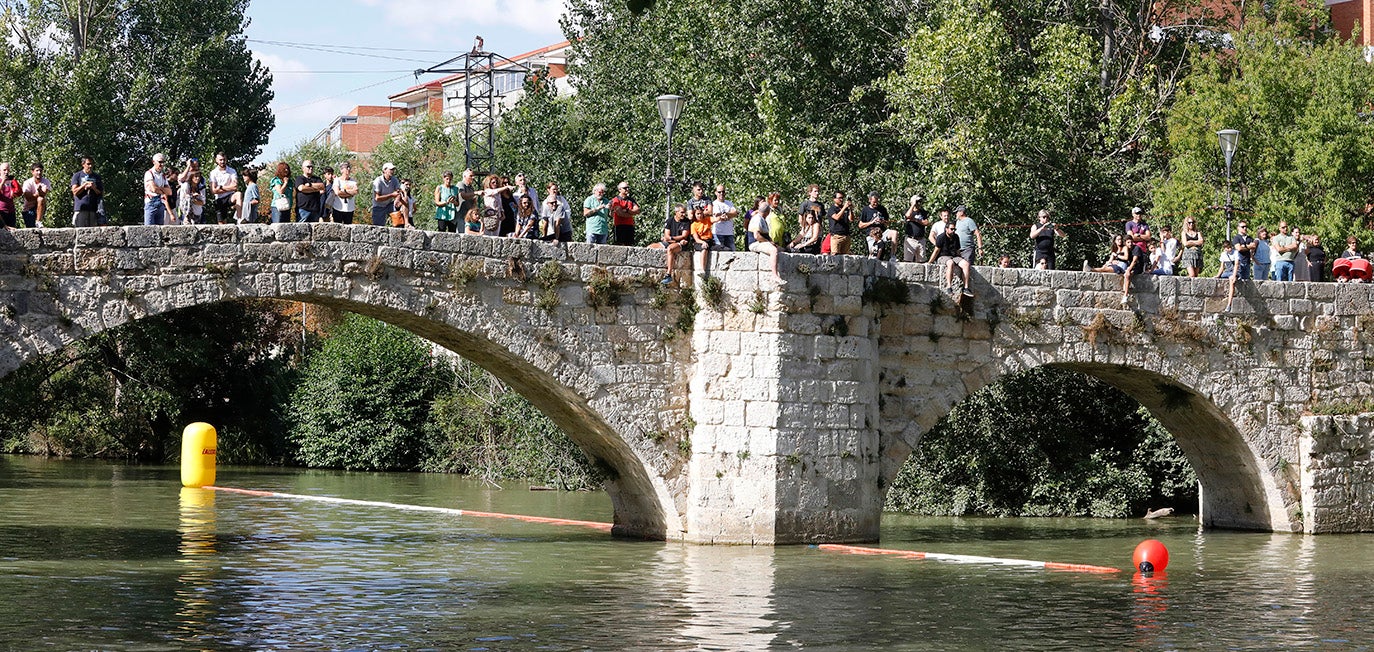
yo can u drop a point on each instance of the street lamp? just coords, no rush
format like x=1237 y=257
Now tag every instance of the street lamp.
x=670 y=108
x=1229 y=140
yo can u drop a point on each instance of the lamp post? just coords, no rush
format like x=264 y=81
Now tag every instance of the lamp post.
x=670 y=108
x=1229 y=139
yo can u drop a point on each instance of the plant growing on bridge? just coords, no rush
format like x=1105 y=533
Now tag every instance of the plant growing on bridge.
x=713 y=293
x=604 y=289
x=463 y=272
x=759 y=304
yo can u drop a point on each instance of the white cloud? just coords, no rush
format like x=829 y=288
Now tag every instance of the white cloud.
x=293 y=73
x=435 y=21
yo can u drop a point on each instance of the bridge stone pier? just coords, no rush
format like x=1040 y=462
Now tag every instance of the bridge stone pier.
x=766 y=411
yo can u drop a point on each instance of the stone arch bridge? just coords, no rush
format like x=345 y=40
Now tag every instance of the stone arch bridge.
x=776 y=412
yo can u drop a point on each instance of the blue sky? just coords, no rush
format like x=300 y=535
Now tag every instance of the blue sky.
x=314 y=85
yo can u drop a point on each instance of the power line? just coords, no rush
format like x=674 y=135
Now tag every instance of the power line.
x=331 y=97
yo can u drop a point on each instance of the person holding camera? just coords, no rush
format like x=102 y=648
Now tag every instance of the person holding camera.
x=876 y=215
x=916 y=224
x=839 y=217
x=1043 y=234
x=87 y=187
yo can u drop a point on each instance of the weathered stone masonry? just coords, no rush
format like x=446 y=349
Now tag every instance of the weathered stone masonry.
x=781 y=411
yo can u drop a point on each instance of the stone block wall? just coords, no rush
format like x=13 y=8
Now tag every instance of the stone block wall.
x=1337 y=473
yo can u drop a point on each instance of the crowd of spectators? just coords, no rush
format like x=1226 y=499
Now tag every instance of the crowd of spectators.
x=501 y=206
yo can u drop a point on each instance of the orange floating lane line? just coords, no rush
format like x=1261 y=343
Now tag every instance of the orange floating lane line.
x=540 y=519
x=1080 y=568
x=418 y=508
x=967 y=559
x=246 y=492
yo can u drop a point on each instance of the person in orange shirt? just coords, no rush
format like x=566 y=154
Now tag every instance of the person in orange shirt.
x=703 y=237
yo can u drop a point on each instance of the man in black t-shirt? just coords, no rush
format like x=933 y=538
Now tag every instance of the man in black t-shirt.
x=837 y=219
x=875 y=214
x=309 y=194
x=946 y=253
x=1245 y=251
x=916 y=224
x=677 y=232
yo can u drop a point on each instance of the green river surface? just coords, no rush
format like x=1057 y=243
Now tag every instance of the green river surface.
x=97 y=556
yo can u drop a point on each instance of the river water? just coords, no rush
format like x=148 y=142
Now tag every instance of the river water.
x=113 y=557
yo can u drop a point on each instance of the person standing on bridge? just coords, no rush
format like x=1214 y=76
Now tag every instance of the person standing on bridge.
x=916 y=224
x=970 y=238
x=345 y=188
x=156 y=190
x=623 y=211
x=309 y=194
x=385 y=188
x=597 y=210
x=1043 y=234
x=224 y=187
x=87 y=189
x=36 y=189
x=556 y=215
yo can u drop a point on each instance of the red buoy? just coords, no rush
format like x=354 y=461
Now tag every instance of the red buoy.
x=1152 y=552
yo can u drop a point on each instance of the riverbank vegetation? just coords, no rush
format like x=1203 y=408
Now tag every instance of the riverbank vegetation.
x=321 y=389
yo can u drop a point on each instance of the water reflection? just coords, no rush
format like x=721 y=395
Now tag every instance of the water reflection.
x=728 y=595
x=197 y=562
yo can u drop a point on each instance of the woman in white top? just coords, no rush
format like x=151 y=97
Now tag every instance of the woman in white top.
x=345 y=189
x=191 y=203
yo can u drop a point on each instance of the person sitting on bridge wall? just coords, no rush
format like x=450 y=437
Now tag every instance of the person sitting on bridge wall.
x=946 y=254
x=677 y=231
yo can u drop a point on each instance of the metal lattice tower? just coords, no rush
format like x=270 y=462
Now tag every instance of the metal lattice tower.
x=482 y=71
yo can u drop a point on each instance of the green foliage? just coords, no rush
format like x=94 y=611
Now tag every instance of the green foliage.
x=128 y=392
x=364 y=398
x=1301 y=103
x=482 y=428
x=1045 y=443
x=139 y=77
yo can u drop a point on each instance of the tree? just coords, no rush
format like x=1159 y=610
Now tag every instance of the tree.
x=1045 y=442
x=1012 y=107
x=127 y=392
x=364 y=398
x=120 y=80
x=1303 y=103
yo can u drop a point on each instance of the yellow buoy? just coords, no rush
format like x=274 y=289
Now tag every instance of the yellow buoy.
x=198 y=443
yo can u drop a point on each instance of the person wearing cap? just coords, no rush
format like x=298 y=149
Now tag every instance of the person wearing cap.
x=876 y=215
x=970 y=238
x=309 y=193
x=1138 y=250
x=556 y=215
x=623 y=211
x=385 y=188
x=156 y=189
x=915 y=225
x=1043 y=234
x=446 y=201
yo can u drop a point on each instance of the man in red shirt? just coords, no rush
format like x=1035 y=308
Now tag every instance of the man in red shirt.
x=623 y=212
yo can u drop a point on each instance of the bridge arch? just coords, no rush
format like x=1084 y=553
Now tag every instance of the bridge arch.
x=474 y=296
x=1226 y=416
